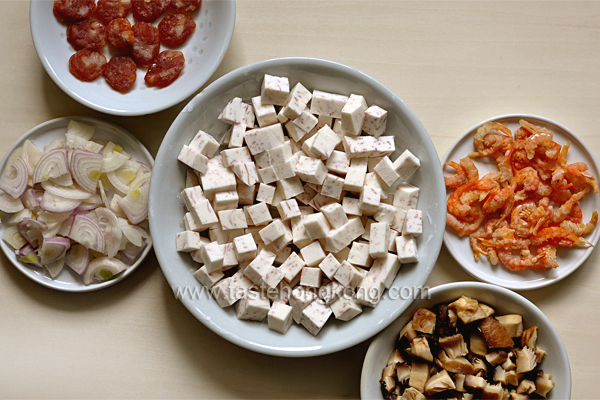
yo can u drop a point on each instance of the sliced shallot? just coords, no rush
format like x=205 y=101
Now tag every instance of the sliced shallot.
x=135 y=204
x=58 y=205
x=31 y=230
x=52 y=165
x=85 y=168
x=10 y=205
x=53 y=248
x=103 y=269
x=78 y=258
x=14 y=180
x=112 y=231
x=87 y=232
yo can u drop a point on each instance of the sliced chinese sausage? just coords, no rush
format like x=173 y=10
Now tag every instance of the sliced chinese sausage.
x=185 y=5
x=119 y=33
x=166 y=68
x=107 y=10
x=175 y=29
x=120 y=73
x=87 y=65
x=87 y=34
x=73 y=10
x=146 y=44
x=149 y=10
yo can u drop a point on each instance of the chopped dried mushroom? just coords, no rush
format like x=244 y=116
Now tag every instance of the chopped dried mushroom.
x=454 y=345
x=423 y=321
x=495 y=334
x=438 y=362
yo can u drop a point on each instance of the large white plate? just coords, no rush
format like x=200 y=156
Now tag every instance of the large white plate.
x=569 y=259
x=203 y=51
x=556 y=362
x=166 y=210
x=43 y=134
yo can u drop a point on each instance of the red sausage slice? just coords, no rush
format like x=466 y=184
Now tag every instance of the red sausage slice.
x=149 y=10
x=107 y=10
x=120 y=73
x=166 y=68
x=185 y=5
x=175 y=29
x=146 y=44
x=119 y=33
x=87 y=65
x=86 y=34
x=73 y=10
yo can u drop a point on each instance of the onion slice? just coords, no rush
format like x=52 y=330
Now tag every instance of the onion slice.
x=30 y=199
x=77 y=142
x=63 y=180
x=88 y=233
x=85 y=168
x=82 y=130
x=134 y=234
x=31 y=230
x=135 y=204
x=103 y=269
x=131 y=252
x=122 y=178
x=54 y=268
x=58 y=205
x=12 y=236
x=31 y=155
x=78 y=258
x=52 y=249
x=52 y=165
x=69 y=192
x=14 y=181
x=113 y=157
x=112 y=231
x=10 y=205
x=28 y=256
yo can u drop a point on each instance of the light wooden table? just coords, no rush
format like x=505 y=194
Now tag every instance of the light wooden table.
x=454 y=63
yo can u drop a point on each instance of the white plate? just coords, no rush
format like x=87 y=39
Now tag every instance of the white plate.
x=569 y=259
x=203 y=51
x=43 y=134
x=556 y=362
x=166 y=210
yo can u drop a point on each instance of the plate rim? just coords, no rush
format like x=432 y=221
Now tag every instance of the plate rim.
x=580 y=142
x=370 y=357
x=125 y=113
x=163 y=257
x=44 y=280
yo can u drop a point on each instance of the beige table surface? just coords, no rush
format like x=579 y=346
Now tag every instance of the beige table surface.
x=454 y=63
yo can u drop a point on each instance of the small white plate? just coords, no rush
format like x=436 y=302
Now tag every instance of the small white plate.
x=41 y=135
x=203 y=51
x=569 y=259
x=556 y=362
x=166 y=209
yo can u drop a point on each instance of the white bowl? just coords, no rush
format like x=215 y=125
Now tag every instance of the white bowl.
x=166 y=210
x=41 y=135
x=569 y=259
x=203 y=51
x=504 y=301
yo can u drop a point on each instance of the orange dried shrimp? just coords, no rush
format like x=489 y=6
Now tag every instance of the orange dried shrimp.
x=521 y=214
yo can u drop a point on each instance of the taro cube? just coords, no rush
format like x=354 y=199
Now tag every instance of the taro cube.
x=212 y=256
x=314 y=316
x=311 y=170
x=338 y=162
x=329 y=265
x=262 y=139
x=208 y=279
x=226 y=200
x=274 y=90
x=385 y=213
x=193 y=159
x=288 y=209
x=188 y=241
x=359 y=255
x=192 y=196
x=406 y=247
x=369 y=200
x=245 y=247
x=236 y=135
x=316 y=226
x=345 y=308
x=369 y=292
x=265 y=193
x=296 y=101
x=246 y=172
x=325 y=142
x=386 y=171
x=305 y=121
x=379 y=241
x=351 y=206
x=406 y=165
x=279 y=317
x=300 y=298
x=335 y=214
x=348 y=275
x=310 y=277
x=313 y=254
x=292 y=266
x=253 y=307
x=353 y=114
x=385 y=269
x=272 y=232
x=233 y=219
x=327 y=104
x=406 y=196
x=414 y=223
x=290 y=187
x=265 y=113
x=375 y=121
x=332 y=186
x=232 y=113
x=205 y=143
x=355 y=177
x=204 y=214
